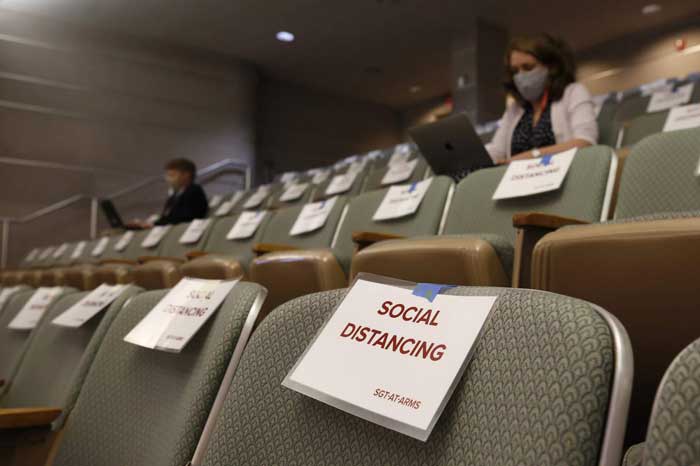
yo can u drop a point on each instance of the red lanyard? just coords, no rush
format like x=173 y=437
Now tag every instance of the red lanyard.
x=544 y=99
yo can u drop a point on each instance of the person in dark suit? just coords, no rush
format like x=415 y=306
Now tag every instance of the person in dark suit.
x=187 y=200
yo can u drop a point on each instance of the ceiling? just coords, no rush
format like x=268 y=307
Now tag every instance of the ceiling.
x=374 y=50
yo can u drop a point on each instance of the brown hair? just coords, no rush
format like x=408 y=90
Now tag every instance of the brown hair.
x=182 y=165
x=552 y=52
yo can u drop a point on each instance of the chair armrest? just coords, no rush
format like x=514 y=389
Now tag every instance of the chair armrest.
x=362 y=239
x=542 y=220
x=117 y=262
x=147 y=259
x=530 y=228
x=195 y=254
x=264 y=248
x=17 y=418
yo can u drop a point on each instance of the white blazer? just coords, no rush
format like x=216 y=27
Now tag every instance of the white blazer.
x=573 y=117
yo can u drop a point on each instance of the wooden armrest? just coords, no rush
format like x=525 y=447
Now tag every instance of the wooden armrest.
x=530 y=228
x=366 y=238
x=264 y=248
x=147 y=259
x=540 y=220
x=117 y=261
x=195 y=254
x=16 y=418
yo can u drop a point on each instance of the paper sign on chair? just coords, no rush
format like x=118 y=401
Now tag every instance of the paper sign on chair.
x=391 y=357
x=534 y=176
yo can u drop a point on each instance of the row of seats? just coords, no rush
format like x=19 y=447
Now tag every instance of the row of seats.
x=619 y=264
x=221 y=402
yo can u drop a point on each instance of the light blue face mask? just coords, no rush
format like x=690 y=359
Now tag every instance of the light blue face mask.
x=531 y=84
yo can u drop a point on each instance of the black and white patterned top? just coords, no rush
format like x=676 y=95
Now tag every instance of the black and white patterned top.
x=526 y=137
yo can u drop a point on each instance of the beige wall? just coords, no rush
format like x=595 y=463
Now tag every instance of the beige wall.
x=114 y=110
x=300 y=128
x=629 y=61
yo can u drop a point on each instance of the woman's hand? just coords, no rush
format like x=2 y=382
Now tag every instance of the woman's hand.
x=523 y=156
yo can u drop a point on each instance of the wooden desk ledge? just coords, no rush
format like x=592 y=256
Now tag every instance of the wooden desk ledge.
x=542 y=220
x=264 y=248
x=17 y=418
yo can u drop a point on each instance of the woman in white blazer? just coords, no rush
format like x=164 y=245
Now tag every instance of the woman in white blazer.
x=549 y=111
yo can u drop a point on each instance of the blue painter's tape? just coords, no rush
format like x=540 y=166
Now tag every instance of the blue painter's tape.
x=430 y=291
x=413 y=187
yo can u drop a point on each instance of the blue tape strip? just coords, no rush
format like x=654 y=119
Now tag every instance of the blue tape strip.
x=430 y=291
x=413 y=187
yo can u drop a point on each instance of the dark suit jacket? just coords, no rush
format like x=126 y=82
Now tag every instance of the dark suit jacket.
x=184 y=207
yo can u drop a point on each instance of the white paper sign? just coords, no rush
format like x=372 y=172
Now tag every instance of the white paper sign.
x=100 y=247
x=180 y=314
x=124 y=241
x=6 y=294
x=215 y=200
x=684 y=117
x=79 y=250
x=340 y=183
x=319 y=176
x=357 y=167
x=668 y=98
x=401 y=154
x=195 y=230
x=88 y=307
x=33 y=254
x=46 y=253
x=312 y=217
x=654 y=86
x=534 y=176
x=402 y=355
x=403 y=200
x=294 y=192
x=225 y=208
x=60 y=251
x=288 y=177
x=246 y=225
x=257 y=198
x=399 y=172
x=34 y=308
x=152 y=219
x=154 y=236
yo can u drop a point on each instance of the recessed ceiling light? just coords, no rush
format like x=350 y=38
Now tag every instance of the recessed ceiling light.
x=415 y=89
x=285 y=36
x=651 y=9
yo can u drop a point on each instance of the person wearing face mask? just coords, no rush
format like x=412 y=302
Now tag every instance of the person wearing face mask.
x=187 y=200
x=550 y=112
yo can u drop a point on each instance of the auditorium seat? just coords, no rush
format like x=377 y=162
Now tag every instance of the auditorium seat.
x=279 y=200
x=375 y=179
x=293 y=272
x=162 y=269
x=282 y=276
x=641 y=267
x=674 y=427
x=49 y=378
x=223 y=258
x=146 y=407
x=360 y=168
x=479 y=245
x=607 y=127
x=549 y=383
x=117 y=266
x=13 y=343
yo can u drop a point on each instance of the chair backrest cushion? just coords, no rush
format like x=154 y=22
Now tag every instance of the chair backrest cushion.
x=581 y=196
x=361 y=209
x=281 y=222
x=142 y=406
x=522 y=400
x=659 y=175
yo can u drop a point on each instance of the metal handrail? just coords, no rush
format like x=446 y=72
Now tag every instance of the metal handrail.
x=207 y=173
